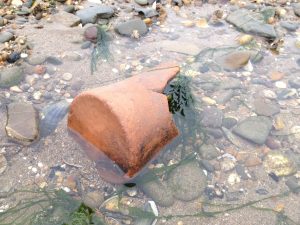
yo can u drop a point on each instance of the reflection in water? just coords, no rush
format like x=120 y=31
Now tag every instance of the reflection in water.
x=107 y=168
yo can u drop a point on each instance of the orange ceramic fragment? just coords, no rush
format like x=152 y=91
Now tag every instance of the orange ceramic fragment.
x=128 y=121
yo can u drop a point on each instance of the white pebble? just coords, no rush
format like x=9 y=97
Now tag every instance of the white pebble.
x=24 y=55
x=34 y=170
x=66 y=189
x=46 y=76
x=280 y=84
x=115 y=70
x=37 y=95
x=269 y=94
x=15 y=89
x=233 y=179
x=67 y=76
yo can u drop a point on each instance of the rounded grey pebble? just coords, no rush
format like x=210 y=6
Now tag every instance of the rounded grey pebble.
x=86 y=45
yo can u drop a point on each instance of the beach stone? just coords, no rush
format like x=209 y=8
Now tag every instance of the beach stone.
x=214 y=132
x=265 y=107
x=246 y=21
x=295 y=82
x=289 y=26
x=22 y=122
x=10 y=76
x=186 y=48
x=293 y=184
x=91 y=33
x=229 y=122
x=5 y=36
x=208 y=152
x=296 y=8
x=187 y=181
x=241 y=171
x=67 y=19
x=262 y=191
x=92 y=13
x=234 y=60
x=128 y=27
x=273 y=143
x=54 y=60
x=158 y=192
x=141 y=2
x=147 y=12
x=207 y=166
x=224 y=96
x=36 y=60
x=211 y=117
x=279 y=164
x=93 y=199
x=255 y=129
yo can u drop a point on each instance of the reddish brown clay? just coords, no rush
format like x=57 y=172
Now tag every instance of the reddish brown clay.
x=129 y=121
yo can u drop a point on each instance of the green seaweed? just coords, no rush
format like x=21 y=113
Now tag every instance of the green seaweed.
x=179 y=95
x=101 y=49
x=48 y=207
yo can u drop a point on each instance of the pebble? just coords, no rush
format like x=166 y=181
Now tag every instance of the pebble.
x=209 y=101
x=207 y=166
x=37 y=95
x=262 y=191
x=269 y=94
x=54 y=60
x=158 y=191
x=13 y=57
x=40 y=69
x=293 y=184
x=280 y=84
x=187 y=181
x=24 y=55
x=227 y=164
x=265 y=107
x=255 y=129
x=229 y=122
x=279 y=164
x=15 y=89
x=67 y=76
x=10 y=76
x=5 y=36
x=241 y=171
x=93 y=199
x=127 y=28
x=211 y=117
x=233 y=178
x=208 y=152
x=22 y=122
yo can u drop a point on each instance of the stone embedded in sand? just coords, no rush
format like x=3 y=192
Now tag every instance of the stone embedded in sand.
x=234 y=60
x=22 y=122
x=255 y=129
x=129 y=121
x=10 y=76
x=92 y=13
x=128 y=27
x=67 y=19
x=279 y=164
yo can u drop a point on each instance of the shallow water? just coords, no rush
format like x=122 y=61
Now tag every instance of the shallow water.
x=234 y=173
